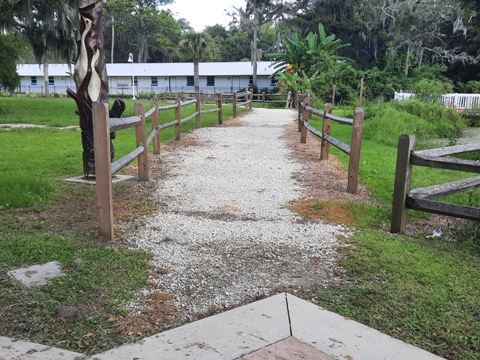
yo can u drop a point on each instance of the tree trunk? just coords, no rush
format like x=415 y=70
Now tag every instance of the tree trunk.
x=143 y=49
x=196 y=76
x=254 y=51
x=45 y=75
x=113 y=40
x=409 y=50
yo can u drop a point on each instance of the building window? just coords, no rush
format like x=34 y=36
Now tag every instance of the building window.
x=210 y=80
x=190 y=81
x=135 y=81
x=51 y=80
x=250 y=80
x=154 y=81
x=273 y=82
x=123 y=82
x=34 y=80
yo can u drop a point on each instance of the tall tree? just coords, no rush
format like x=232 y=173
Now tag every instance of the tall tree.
x=137 y=18
x=194 y=47
x=9 y=53
x=48 y=25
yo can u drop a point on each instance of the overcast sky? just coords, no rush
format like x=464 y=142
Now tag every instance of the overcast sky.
x=201 y=13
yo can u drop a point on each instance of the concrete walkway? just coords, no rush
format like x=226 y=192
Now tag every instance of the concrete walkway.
x=244 y=330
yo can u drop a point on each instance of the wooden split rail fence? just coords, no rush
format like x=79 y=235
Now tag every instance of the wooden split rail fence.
x=105 y=169
x=244 y=98
x=305 y=110
x=273 y=99
x=422 y=199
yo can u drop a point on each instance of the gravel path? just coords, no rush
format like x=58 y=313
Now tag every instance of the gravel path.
x=224 y=235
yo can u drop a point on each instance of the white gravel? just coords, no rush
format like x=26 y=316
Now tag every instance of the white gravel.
x=225 y=235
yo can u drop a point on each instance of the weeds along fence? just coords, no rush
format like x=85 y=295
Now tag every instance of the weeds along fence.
x=305 y=110
x=422 y=199
x=105 y=169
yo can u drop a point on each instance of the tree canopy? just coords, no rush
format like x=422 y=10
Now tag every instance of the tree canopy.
x=388 y=39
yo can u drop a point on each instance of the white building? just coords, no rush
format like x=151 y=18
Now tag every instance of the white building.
x=152 y=77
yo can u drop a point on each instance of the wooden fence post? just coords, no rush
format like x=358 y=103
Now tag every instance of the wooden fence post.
x=103 y=170
x=220 y=110
x=156 y=124
x=355 y=150
x=403 y=182
x=305 y=116
x=300 y=99
x=326 y=128
x=263 y=99
x=141 y=134
x=178 y=117
x=198 y=107
x=250 y=98
x=234 y=104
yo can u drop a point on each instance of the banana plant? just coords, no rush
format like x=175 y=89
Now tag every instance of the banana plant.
x=302 y=52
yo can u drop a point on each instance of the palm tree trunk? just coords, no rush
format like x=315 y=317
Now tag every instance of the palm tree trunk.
x=113 y=40
x=45 y=75
x=196 y=76
x=254 y=50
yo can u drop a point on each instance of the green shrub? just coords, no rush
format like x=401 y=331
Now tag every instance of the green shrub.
x=385 y=122
x=447 y=123
x=472 y=86
x=431 y=89
x=146 y=95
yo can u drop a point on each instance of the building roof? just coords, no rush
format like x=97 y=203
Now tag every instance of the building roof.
x=157 y=69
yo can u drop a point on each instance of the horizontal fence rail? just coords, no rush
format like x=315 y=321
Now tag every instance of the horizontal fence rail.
x=246 y=96
x=273 y=99
x=422 y=199
x=305 y=110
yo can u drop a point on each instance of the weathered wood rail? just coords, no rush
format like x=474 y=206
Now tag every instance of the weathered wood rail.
x=105 y=168
x=305 y=110
x=422 y=199
x=272 y=99
x=246 y=99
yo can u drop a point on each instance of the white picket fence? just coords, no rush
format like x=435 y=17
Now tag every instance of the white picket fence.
x=455 y=101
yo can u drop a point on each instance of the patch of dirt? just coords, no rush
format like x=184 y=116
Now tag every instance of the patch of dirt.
x=324 y=181
x=330 y=212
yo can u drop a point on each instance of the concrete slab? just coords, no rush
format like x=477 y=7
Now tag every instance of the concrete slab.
x=291 y=348
x=11 y=349
x=91 y=179
x=227 y=335
x=240 y=332
x=345 y=339
x=37 y=274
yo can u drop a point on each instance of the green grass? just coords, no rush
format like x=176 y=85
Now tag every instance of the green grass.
x=35 y=160
x=98 y=280
x=84 y=310
x=51 y=112
x=423 y=292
